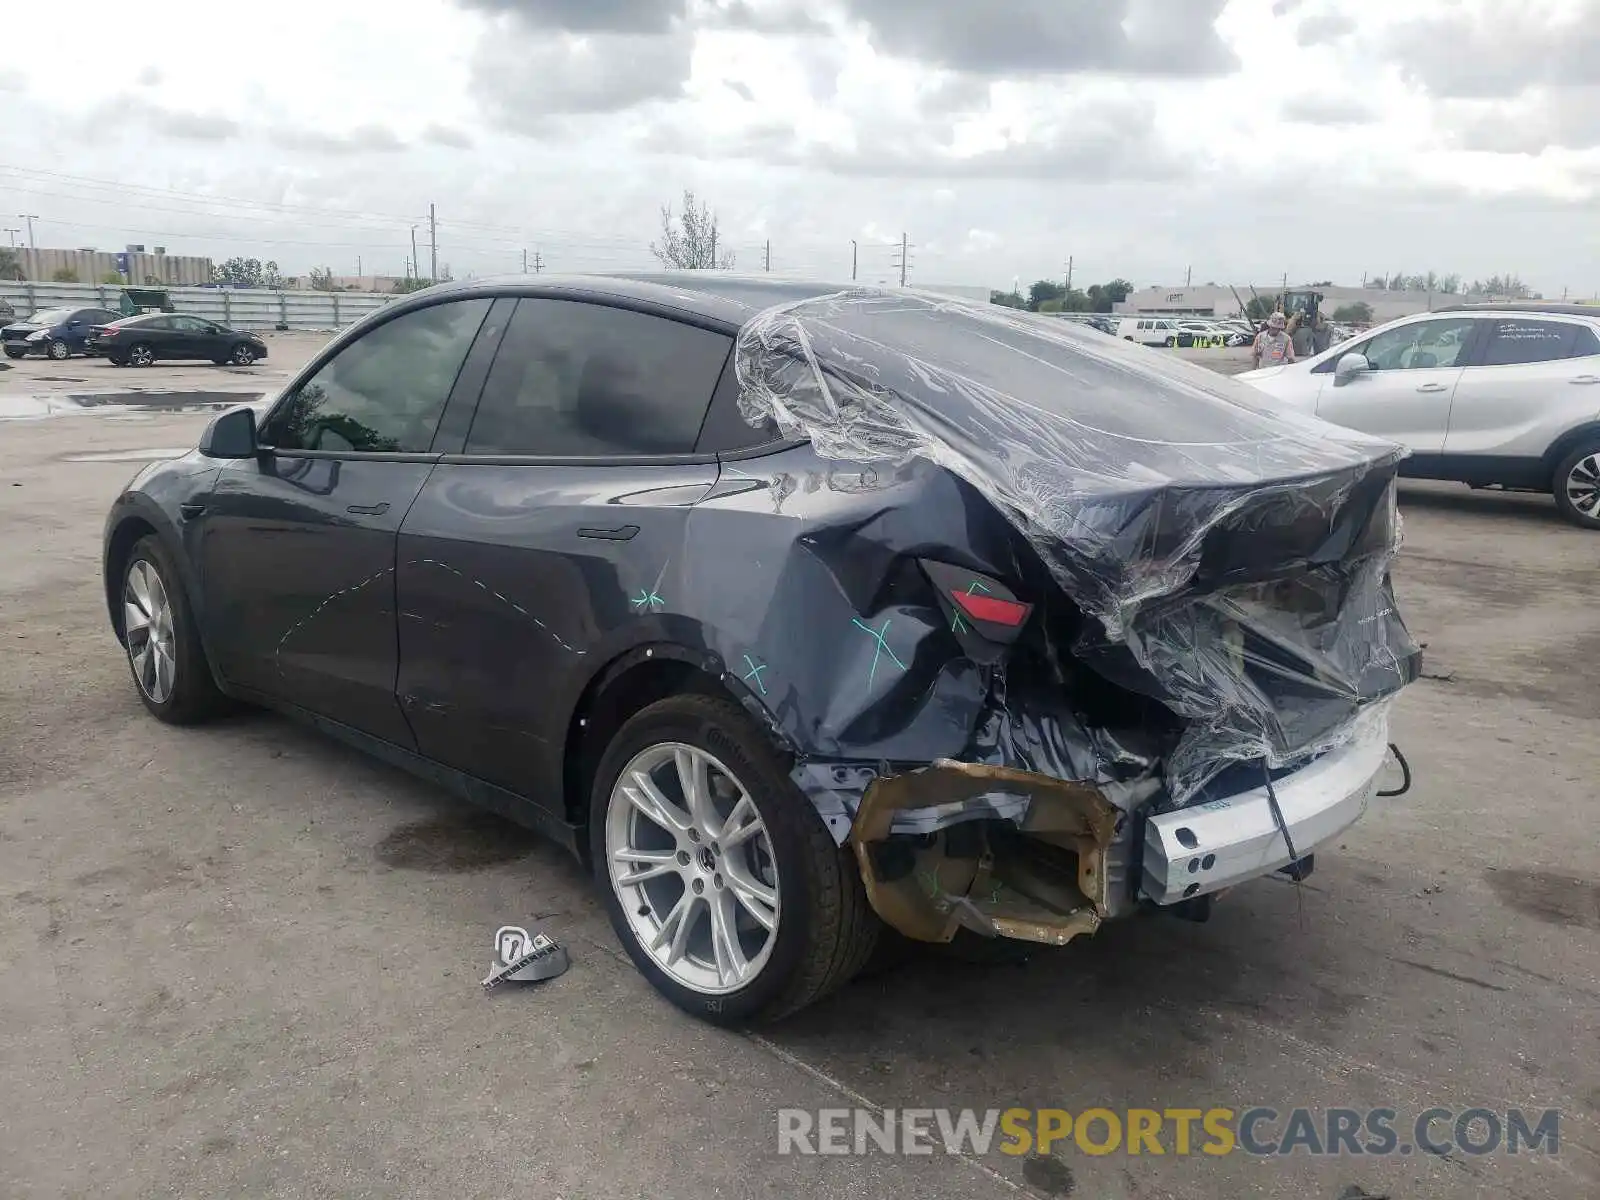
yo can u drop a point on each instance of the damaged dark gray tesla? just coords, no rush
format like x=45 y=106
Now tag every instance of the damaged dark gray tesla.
x=796 y=611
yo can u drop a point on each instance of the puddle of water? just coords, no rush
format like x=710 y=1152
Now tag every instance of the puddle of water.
x=130 y=455
x=32 y=407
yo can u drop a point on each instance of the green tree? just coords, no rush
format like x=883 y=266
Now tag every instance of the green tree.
x=112 y=277
x=247 y=272
x=1104 y=297
x=1011 y=299
x=1042 y=291
x=64 y=275
x=10 y=264
x=321 y=279
x=1259 y=308
x=1357 y=313
x=689 y=241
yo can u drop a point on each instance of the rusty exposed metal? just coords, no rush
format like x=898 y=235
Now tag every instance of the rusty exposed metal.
x=1043 y=880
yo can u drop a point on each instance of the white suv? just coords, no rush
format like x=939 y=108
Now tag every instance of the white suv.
x=1504 y=395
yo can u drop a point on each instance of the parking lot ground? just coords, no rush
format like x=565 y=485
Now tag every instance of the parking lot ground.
x=243 y=960
x=36 y=386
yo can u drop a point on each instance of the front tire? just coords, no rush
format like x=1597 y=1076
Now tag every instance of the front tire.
x=59 y=350
x=163 y=645
x=1577 y=485
x=141 y=355
x=720 y=879
x=10 y=353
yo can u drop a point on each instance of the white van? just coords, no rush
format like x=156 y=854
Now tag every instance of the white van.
x=1150 y=331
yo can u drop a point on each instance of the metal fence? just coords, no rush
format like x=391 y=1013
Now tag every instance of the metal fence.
x=240 y=308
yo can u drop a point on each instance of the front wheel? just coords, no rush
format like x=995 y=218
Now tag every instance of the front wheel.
x=141 y=355
x=1577 y=485
x=10 y=353
x=720 y=879
x=164 y=651
x=59 y=350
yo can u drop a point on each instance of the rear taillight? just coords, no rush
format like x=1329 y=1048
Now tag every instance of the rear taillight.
x=980 y=609
x=977 y=604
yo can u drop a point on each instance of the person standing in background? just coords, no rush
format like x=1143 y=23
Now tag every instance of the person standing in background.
x=1272 y=348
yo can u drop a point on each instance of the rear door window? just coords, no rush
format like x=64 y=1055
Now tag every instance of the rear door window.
x=1518 y=340
x=384 y=392
x=578 y=380
x=1586 y=343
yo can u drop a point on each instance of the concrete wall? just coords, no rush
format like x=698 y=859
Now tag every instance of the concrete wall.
x=92 y=266
x=1220 y=302
x=239 y=308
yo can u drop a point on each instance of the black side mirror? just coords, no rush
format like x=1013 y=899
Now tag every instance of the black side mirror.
x=231 y=435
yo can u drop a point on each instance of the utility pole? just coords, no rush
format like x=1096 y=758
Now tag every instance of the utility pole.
x=416 y=263
x=524 y=260
x=855 y=253
x=433 y=244
x=1188 y=276
x=30 y=218
x=712 y=265
x=769 y=254
x=12 y=234
x=1069 y=272
x=905 y=258
x=358 y=266
x=538 y=263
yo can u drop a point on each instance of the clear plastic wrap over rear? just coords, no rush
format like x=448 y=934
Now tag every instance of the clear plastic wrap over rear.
x=1234 y=557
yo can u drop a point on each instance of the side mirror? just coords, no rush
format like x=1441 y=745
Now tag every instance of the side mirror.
x=231 y=435
x=1350 y=367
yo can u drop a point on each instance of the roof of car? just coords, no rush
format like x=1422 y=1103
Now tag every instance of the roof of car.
x=1527 y=306
x=715 y=295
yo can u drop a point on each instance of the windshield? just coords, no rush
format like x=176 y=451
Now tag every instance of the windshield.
x=51 y=316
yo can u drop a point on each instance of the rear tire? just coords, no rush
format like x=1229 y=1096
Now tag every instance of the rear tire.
x=824 y=929
x=1577 y=485
x=163 y=645
x=241 y=356
x=116 y=360
x=141 y=355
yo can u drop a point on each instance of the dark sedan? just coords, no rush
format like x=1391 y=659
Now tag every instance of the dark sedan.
x=57 y=333
x=794 y=611
x=142 y=340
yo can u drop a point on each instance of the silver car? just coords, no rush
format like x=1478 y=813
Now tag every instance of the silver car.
x=1488 y=395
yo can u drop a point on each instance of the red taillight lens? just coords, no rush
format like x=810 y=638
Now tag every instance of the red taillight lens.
x=991 y=609
x=984 y=614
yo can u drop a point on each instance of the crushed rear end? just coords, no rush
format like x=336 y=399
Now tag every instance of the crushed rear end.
x=1151 y=656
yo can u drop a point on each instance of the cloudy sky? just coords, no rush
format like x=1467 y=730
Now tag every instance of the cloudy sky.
x=1242 y=139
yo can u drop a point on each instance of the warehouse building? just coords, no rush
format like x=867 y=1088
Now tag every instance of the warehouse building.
x=135 y=265
x=1212 y=301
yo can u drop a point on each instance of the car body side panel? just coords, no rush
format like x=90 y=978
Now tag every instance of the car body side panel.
x=516 y=584
x=297 y=561
x=1521 y=410
x=1409 y=407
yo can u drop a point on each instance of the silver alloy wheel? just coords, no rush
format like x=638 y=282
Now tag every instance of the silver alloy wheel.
x=1583 y=485
x=243 y=356
x=60 y=350
x=147 y=626
x=691 y=862
x=141 y=356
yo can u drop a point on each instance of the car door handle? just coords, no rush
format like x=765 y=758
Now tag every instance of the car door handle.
x=1433 y=387
x=1585 y=379
x=621 y=533
x=368 y=510
x=191 y=511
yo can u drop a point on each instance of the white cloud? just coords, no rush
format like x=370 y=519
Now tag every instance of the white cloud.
x=1325 y=138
